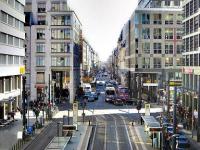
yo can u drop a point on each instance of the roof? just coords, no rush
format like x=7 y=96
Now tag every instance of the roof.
x=150 y=121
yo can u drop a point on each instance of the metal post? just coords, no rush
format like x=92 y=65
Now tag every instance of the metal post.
x=68 y=118
x=198 y=129
x=49 y=101
x=192 y=114
x=174 y=120
x=168 y=98
x=24 y=107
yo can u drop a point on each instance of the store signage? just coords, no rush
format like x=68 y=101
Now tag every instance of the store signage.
x=175 y=83
x=22 y=70
x=188 y=70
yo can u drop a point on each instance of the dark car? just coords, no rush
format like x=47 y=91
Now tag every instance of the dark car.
x=118 y=101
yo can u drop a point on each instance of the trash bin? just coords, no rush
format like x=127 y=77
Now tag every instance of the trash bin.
x=65 y=120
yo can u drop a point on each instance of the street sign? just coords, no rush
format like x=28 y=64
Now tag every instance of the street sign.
x=75 y=114
x=175 y=83
x=147 y=109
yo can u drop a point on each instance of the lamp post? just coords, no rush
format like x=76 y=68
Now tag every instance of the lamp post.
x=24 y=106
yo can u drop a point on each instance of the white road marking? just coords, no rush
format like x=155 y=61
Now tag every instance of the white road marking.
x=105 y=137
x=132 y=135
x=129 y=140
x=142 y=144
x=95 y=130
x=116 y=132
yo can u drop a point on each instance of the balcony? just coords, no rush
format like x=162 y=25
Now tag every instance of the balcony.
x=157 y=22
x=42 y=22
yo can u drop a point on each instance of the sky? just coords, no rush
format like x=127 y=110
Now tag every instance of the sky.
x=102 y=21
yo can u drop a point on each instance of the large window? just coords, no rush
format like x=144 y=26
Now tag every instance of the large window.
x=14 y=86
x=1 y=85
x=169 y=33
x=4 y=17
x=157 y=48
x=146 y=47
x=60 y=33
x=40 y=47
x=196 y=42
x=191 y=25
x=60 y=61
x=146 y=33
x=40 y=77
x=2 y=59
x=60 y=47
x=146 y=63
x=157 y=62
x=145 y=19
x=169 y=48
x=196 y=23
x=41 y=20
x=55 y=6
x=10 y=60
x=40 y=34
x=3 y=38
x=169 y=19
x=61 y=20
x=39 y=60
x=168 y=61
x=179 y=18
x=157 y=34
x=179 y=48
x=10 y=40
x=179 y=33
x=157 y=19
x=178 y=62
x=41 y=7
x=16 y=60
x=7 y=84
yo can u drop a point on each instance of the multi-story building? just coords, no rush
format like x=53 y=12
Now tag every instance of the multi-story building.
x=12 y=54
x=53 y=44
x=153 y=45
x=191 y=56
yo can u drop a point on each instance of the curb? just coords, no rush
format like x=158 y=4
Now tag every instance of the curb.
x=85 y=142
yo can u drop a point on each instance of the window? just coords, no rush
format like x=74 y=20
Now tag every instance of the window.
x=191 y=60
x=146 y=47
x=21 y=26
x=7 y=84
x=167 y=2
x=191 y=43
x=146 y=33
x=191 y=7
x=179 y=18
x=16 y=41
x=40 y=77
x=196 y=46
x=4 y=17
x=2 y=59
x=157 y=19
x=17 y=23
x=195 y=6
x=21 y=60
x=169 y=33
x=39 y=60
x=157 y=33
x=14 y=83
x=187 y=10
x=41 y=20
x=169 y=48
x=196 y=23
x=191 y=25
x=169 y=19
x=60 y=47
x=187 y=30
x=179 y=33
x=178 y=62
x=10 y=60
x=41 y=7
x=1 y=85
x=60 y=33
x=3 y=38
x=168 y=62
x=16 y=60
x=21 y=43
x=40 y=34
x=17 y=5
x=195 y=59
x=145 y=19
x=11 y=3
x=157 y=48
x=55 y=6
x=146 y=63
x=40 y=47
x=10 y=20
x=60 y=61
x=177 y=3
x=157 y=62
x=179 y=48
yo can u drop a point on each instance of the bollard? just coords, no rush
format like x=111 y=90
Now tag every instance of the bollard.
x=89 y=122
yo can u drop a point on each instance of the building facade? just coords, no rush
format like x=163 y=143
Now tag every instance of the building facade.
x=191 y=56
x=53 y=45
x=12 y=54
x=151 y=43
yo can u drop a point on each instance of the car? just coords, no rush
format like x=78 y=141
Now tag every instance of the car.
x=118 y=101
x=91 y=98
x=182 y=141
x=95 y=95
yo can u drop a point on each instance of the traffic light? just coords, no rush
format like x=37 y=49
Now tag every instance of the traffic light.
x=139 y=105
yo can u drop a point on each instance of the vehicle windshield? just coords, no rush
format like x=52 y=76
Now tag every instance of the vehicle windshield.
x=110 y=92
x=123 y=90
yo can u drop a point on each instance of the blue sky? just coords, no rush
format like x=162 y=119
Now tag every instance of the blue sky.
x=102 y=21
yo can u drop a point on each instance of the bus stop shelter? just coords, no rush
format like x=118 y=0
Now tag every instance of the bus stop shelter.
x=153 y=129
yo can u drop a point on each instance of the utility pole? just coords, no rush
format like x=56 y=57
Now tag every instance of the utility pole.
x=24 y=106
x=198 y=129
x=174 y=120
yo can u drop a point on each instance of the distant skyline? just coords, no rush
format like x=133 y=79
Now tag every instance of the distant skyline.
x=102 y=21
